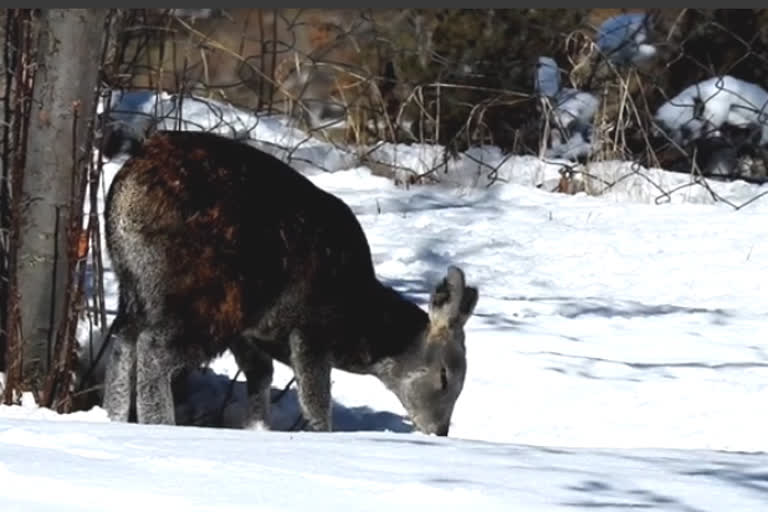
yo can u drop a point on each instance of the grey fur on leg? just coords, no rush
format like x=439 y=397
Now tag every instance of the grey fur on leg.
x=313 y=377
x=120 y=377
x=154 y=371
x=258 y=369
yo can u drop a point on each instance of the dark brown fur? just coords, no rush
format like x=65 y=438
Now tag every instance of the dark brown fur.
x=213 y=240
x=202 y=201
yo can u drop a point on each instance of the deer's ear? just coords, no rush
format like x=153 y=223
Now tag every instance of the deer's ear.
x=451 y=300
x=468 y=303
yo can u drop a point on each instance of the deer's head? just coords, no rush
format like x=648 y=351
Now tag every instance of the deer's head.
x=429 y=377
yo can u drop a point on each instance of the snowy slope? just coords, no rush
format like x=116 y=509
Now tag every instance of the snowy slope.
x=628 y=331
x=72 y=466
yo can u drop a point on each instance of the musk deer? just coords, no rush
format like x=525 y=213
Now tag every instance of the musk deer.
x=217 y=245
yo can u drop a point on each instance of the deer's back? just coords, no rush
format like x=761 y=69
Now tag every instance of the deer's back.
x=223 y=236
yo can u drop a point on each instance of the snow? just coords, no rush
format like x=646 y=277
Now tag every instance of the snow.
x=616 y=359
x=135 y=112
x=701 y=110
x=575 y=106
x=97 y=466
x=572 y=113
x=625 y=38
x=547 y=79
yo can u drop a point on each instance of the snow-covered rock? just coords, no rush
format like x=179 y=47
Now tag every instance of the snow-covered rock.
x=572 y=112
x=626 y=38
x=702 y=109
x=547 y=79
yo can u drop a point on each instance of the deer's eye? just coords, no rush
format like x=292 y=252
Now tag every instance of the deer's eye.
x=443 y=377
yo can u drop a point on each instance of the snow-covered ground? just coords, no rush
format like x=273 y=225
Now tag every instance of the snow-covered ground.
x=617 y=359
x=75 y=466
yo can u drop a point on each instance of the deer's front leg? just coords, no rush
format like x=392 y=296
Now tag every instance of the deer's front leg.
x=312 y=368
x=258 y=368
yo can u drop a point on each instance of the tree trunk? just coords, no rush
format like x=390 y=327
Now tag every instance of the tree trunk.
x=69 y=52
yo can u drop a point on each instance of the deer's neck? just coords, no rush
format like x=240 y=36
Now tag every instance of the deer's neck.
x=388 y=327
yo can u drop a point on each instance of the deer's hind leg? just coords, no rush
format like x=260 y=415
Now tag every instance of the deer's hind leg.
x=156 y=364
x=120 y=377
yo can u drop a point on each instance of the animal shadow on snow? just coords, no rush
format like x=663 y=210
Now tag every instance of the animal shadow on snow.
x=417 y=290
x=204 y=398
x=575 y=307
x=602 y=493
x=633 y=310
x=499 y=321
x=736 y=474
x=590 y=366
x=419 y=202
x=207 y=399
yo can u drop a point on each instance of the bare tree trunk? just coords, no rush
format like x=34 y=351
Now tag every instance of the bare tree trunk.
x=69 y=53
x=4 y=189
